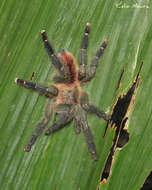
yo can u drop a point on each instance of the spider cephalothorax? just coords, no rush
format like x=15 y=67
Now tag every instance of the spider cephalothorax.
x=65 y=96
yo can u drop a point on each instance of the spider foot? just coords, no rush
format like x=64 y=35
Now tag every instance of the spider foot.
x=42 y=31
x=107 y=117
x=94 y=156
x=87 y=28
x=27 y=148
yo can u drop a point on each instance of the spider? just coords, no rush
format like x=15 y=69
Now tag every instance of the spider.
x=65 y=97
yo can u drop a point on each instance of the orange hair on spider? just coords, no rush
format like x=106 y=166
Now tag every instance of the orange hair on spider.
x=70 y=65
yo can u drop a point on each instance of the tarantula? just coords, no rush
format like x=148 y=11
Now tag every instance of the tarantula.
x=65 y=96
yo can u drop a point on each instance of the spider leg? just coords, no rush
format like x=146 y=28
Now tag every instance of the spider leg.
x=39 y=127
x=90 y=108
x=89 y=138
x=94 y=64
x=77 y=119
x=77 y=126
x=81 y=123
x=48 y=91
x=62 y=119
x=88 y=134
x=83 y=52
x=55 y=60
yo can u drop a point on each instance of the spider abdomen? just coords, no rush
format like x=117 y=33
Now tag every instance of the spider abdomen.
x=70 y=67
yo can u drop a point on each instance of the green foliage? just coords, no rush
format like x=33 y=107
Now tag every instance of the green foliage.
x=62 y=161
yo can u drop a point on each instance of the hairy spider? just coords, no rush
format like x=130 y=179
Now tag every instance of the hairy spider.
x=65 y=96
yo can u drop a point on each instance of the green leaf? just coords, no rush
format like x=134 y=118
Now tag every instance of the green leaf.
x=62 y=161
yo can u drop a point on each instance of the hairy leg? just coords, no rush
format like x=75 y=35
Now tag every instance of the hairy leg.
x=88 y=135
x=94 y=63
x=81 y=123
x=39 y=127
x=48 y=91
x=83 y=52
x=77 y=126
x=90 y=108
x=89 y=138
x=62 y=119
x=55 y=60
x=78 y=112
